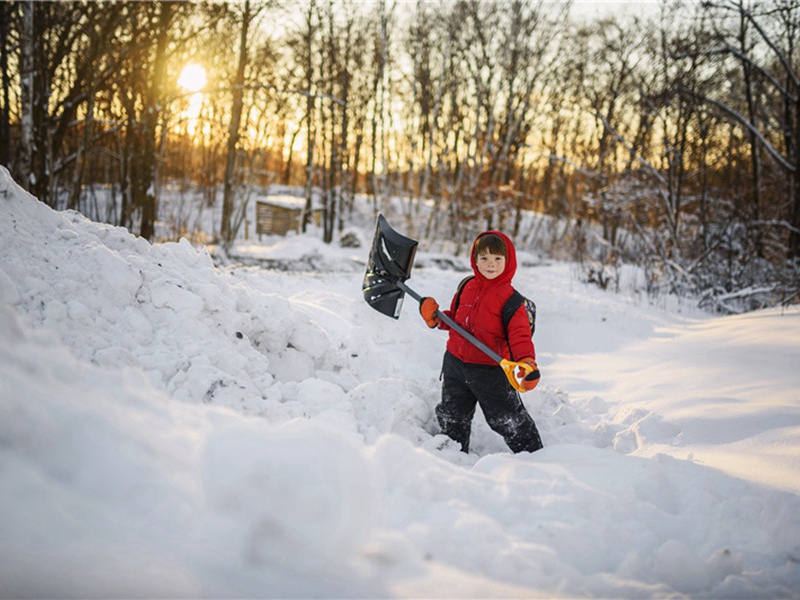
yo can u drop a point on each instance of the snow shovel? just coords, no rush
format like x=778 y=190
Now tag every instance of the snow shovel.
x=389 y=265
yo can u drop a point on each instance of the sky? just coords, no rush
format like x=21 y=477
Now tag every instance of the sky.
x=175 y=425
x=603 y=8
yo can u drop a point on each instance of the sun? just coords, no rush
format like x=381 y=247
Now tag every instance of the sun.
x=193 y=77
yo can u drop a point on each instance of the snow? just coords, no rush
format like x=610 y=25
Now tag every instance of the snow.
x=285 y=201
x=173 y=429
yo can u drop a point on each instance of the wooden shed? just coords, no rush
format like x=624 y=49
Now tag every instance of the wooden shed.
x=282 y=214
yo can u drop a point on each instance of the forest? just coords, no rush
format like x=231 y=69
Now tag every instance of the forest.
x=669 y=141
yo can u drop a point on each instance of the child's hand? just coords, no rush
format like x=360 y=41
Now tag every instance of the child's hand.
x=427 y=308
x=531 y=380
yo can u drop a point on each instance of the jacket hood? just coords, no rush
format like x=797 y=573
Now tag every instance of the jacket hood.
x=511 y=259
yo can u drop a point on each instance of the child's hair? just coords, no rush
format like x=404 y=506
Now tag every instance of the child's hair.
x=491 y=243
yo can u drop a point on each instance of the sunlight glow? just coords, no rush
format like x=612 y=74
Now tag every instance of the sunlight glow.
x=192 y=78
x=192 y=113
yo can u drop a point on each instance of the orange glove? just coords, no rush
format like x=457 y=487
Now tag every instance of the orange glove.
x=428 y=308
x=532 y=379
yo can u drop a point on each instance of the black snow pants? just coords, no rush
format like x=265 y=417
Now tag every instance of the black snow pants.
x=464 y=385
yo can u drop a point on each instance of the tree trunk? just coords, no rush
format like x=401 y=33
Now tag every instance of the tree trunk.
x=226 y=231
x=794 y=235
x=27 y=148
x=149 y=173
x=308 y=212
x=754 y=212
x=287 y=172
x=6 y=10
x=84 y=147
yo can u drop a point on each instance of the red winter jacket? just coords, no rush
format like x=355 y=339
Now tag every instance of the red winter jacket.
x=479 y=312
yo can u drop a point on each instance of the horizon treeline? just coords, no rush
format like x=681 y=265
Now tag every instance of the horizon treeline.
x=670 y=140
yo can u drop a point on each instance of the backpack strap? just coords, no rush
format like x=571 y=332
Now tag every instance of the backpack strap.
x=460 y=289
x=513 y=303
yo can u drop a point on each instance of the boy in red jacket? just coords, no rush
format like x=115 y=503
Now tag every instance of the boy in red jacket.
x=470 y=377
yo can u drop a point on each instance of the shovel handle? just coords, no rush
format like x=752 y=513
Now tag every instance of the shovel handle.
x=515 y=371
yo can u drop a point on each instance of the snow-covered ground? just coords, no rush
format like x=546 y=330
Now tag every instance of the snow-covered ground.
x=172 y=429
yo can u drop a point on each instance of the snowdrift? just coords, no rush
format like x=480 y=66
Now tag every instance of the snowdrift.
x=172 y=429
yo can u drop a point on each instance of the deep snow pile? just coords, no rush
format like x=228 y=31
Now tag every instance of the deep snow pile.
x=172 y=429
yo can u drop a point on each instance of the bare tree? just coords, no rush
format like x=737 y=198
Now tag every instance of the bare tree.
x=9 y=22
x=244 y=19
x=761 y=60
x=305 y=48
x=381 y=82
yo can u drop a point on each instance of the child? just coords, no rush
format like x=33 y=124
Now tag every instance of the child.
x=470 y=377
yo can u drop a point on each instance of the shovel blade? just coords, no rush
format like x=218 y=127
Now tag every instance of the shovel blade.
x=390 y=260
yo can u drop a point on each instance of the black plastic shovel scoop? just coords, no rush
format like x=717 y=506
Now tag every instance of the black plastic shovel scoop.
x=390 y=262
x=389 y=265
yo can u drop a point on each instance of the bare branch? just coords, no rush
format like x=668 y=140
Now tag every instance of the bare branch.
x=630 y=149
x=749 y=16
x=772 y=45
x=782 y=160
x=742 y=56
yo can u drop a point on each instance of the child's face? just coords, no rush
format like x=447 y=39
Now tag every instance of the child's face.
x=491 y=265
